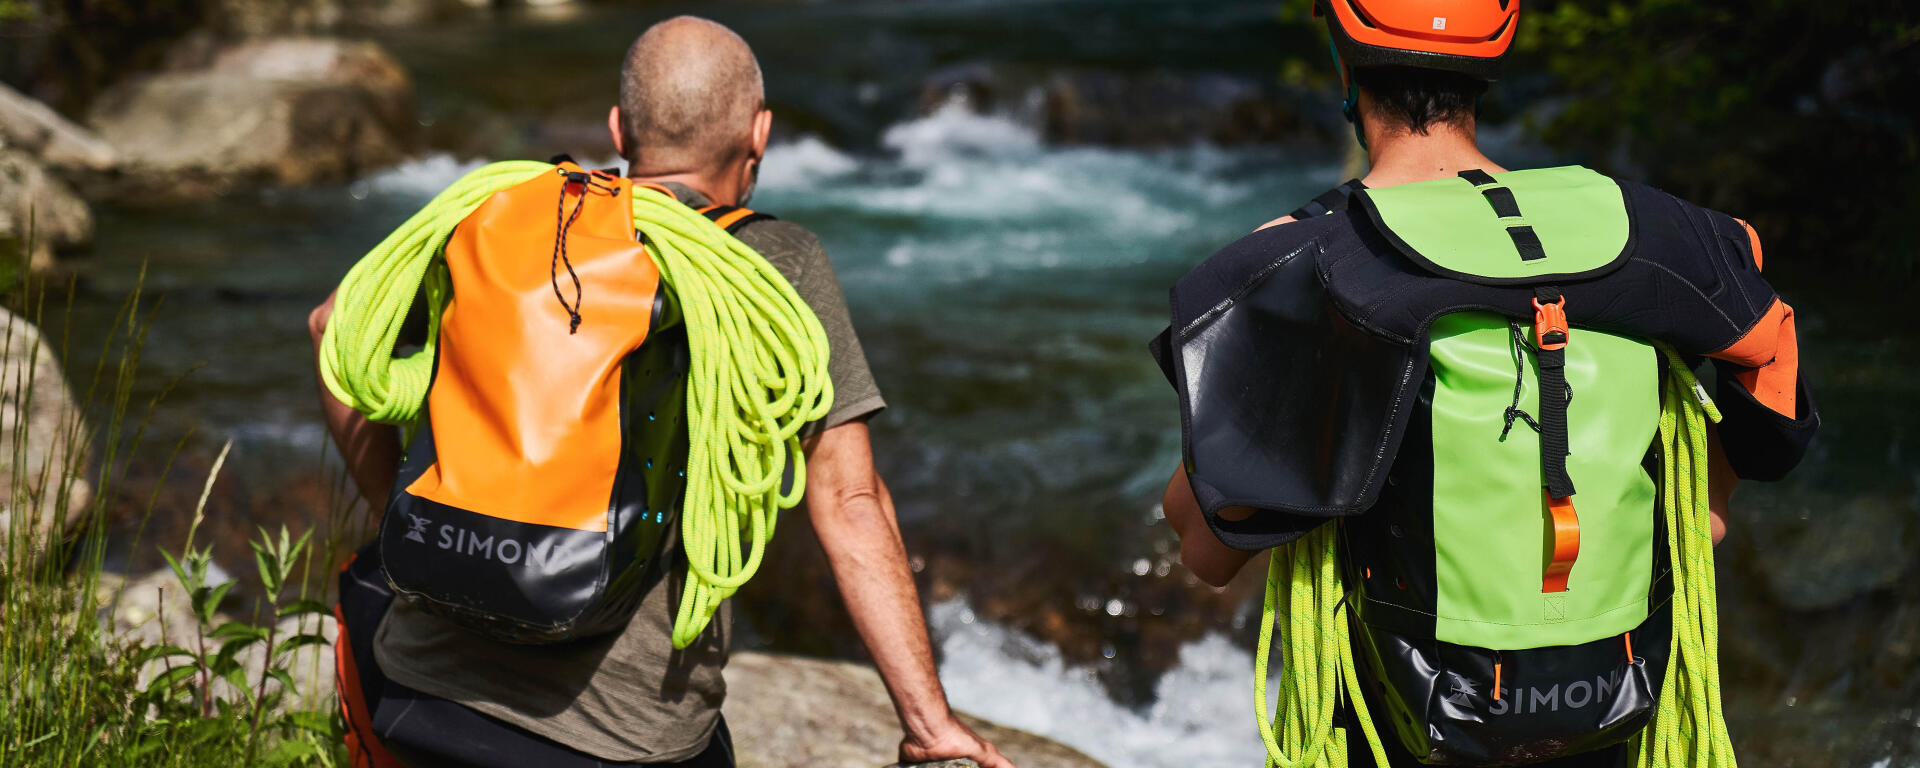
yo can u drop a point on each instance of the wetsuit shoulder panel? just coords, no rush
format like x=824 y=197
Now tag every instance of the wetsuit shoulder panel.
x=1255 y=318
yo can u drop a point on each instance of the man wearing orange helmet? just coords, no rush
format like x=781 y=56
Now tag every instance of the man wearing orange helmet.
x=1398 y=387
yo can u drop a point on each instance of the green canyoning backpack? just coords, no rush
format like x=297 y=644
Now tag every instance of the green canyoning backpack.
x=1510 y=589
x=1464 y=413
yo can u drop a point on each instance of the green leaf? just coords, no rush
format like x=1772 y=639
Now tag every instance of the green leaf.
x=305 y=608
x=210 y=601
x=169 y=678
x=179 y=571
x=237 y=677
x=153 y=652
x=297 y=642
x=237 y=629
x=315 y=721
x=269 y=570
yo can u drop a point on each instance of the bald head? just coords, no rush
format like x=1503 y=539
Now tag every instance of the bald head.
x=689 y=93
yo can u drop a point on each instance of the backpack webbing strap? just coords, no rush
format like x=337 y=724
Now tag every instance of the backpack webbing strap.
x=1329 y=201
x=1550 y=335
x=733 y=218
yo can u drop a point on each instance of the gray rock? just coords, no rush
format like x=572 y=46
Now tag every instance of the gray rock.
x=38 y=210
x=789 y=712
x=47 y=494
x=295 y=110
x=33 y=127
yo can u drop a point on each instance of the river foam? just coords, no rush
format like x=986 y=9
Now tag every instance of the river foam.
x=1201 y=716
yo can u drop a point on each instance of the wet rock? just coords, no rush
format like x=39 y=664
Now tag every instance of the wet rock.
x=38 y=212
x=32 y=127
x=790 y=711
x=48 y=495
x=1132 y=109
x=293 y=110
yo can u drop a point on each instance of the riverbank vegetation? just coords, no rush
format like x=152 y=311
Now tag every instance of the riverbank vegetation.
x=81 y=688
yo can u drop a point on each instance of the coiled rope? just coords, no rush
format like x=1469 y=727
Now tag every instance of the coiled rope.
x=758 y=369
x=1689 y=728
x=1304 y=586
x=1316 y=657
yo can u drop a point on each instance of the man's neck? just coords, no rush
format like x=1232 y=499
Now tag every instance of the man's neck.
x=1405 y=157
x=698 y=182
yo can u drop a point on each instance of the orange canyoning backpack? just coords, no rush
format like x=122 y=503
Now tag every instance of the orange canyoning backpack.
x=541 y=480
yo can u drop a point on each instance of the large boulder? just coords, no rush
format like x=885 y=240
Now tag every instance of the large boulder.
x=45 y=494
x=30 y=126
x=38 y=212
x=292 y=110
x=790 y=712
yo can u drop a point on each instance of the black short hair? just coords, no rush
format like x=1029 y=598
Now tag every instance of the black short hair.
x=1420 y=98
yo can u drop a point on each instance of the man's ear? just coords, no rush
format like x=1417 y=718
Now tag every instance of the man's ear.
x=762 y=130
x=613 y=128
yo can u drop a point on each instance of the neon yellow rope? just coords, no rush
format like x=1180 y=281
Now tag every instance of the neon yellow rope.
x=758 y=375
x=1316 y=658
x=1689 y=728
x=1304 y=584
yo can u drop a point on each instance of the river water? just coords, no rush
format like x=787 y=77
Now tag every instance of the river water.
x=1004 y=289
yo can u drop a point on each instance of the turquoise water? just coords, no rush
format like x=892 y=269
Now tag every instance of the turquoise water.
x=1004 y=289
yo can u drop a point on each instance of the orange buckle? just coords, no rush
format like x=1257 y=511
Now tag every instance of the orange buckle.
x=1550 y=324
x=1566 y=543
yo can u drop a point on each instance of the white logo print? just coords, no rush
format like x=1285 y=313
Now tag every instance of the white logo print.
x=1439 y=22
x=417 y=528
x=1463 y=691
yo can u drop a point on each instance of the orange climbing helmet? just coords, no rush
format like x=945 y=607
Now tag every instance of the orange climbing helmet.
x=1465 y=36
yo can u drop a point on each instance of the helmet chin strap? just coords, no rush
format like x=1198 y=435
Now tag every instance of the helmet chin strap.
x=1350 y=105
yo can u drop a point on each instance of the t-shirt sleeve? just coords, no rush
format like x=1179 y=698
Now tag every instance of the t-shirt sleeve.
x=799 y=256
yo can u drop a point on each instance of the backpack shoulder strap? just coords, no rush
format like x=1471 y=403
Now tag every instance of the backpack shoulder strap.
x=733 y=218
x=1328 y=202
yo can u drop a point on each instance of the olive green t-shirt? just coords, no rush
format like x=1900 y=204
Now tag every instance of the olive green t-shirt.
x=627 y=696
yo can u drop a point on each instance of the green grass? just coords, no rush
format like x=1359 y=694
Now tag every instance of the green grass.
x=72 y=693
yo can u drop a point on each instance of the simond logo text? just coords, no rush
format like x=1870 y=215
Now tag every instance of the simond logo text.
x=1578 y=694
x=461 y=541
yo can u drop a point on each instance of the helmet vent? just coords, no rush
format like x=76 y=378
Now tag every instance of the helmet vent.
x=1502 y=30
x=1361 y=15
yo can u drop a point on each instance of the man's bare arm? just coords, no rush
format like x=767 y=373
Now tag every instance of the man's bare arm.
x=852 y=514
x=1200 y=550
x=371 y=451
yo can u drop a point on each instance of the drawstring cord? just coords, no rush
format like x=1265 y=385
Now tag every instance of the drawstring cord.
x=1519 y=346
x=562 y=222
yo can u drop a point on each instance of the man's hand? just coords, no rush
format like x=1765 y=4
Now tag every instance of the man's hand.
x=957 y=740
x=853 y=516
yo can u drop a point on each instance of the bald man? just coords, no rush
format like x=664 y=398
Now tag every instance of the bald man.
x=692 y=118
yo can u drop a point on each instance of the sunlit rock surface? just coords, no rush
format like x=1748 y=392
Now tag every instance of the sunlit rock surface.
x=45 y=493
x=38 y=212
x=791 y=711
x=32 y=127
x=292 y=110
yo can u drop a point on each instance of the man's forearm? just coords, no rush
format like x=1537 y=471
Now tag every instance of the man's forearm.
x=861 y=537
